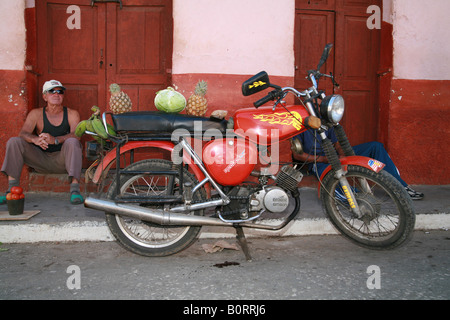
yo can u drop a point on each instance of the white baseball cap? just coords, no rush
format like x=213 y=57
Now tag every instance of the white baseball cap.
x=52 y=84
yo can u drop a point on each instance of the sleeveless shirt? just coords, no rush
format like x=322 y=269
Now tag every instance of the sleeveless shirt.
x=56 y=131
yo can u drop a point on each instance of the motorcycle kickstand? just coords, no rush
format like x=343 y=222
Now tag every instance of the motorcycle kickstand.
x=240 y=236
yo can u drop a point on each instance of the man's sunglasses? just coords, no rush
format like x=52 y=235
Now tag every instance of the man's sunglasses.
x=59 y=91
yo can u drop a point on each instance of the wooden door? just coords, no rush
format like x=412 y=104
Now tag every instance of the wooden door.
x=356 y=66
x=72 y=55
x=313 y=30
x=131 y=46
x=354 y=59
x=139 y=49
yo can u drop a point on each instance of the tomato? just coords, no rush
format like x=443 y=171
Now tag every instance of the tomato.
x=16 y=190
x=9 y=196
x=15 y=196
x=22 y=196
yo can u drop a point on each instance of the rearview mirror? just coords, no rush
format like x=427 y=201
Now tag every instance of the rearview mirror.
x=325 y=54
x=256 y=84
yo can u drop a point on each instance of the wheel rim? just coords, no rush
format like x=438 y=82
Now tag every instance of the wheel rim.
x=381 y=217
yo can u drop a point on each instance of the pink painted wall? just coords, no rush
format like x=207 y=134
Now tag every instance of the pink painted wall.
x=419 y=110
x=234 y=36
x=421 y=39
x=12 y=34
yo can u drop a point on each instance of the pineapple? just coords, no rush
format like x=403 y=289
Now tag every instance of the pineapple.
x=120 y=102
x=197 y=103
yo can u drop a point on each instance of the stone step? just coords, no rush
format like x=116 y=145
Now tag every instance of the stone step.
x=58 y=183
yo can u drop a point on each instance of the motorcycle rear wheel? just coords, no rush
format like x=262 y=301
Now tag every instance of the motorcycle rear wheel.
x=388 y=217
x=145 y=238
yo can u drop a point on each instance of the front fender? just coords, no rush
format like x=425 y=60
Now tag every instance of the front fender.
x=365 y=162
x=165 y=145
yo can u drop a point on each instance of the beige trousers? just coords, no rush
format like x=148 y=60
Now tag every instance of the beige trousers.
x=20 y=152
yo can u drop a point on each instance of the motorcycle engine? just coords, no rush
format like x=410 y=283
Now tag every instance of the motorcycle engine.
x=248 y=202
x=273 y=199
x=289 y=178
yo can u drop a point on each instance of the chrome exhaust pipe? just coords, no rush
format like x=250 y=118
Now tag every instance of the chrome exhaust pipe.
x=156 y=216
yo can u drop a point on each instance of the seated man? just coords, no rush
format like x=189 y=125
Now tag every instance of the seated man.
x=47 y=142
x=319 y=162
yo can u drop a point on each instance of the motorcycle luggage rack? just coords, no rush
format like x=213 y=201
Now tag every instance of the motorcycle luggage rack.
x=142 y=137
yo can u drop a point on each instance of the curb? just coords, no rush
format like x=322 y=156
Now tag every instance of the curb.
x=94 y=231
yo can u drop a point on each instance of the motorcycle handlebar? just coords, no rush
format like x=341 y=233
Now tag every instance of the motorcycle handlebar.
x=277 y=93
x=282 y=92
x=260 y=102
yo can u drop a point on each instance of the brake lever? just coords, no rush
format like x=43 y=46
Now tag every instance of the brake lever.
x=334 y=81
x=277 y=103
x=331 y=77
x=280 y=100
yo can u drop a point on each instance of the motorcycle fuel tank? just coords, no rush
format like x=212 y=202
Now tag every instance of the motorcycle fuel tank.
x=265 y=126
x=230 y=161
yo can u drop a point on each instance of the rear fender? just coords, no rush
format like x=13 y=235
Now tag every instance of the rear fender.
x=110 y=157
x=369 y=163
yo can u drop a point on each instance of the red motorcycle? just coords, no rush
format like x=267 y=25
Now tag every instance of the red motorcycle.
x=226 y=173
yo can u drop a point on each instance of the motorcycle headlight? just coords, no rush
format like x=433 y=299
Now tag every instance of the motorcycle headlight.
x=332 y=108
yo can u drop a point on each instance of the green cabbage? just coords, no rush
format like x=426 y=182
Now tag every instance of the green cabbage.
x=169 y=100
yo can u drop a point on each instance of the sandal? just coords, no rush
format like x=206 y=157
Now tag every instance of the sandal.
x=76 y=199
x=414 y=194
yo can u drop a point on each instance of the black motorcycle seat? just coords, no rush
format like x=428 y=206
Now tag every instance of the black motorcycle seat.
x=161 y=122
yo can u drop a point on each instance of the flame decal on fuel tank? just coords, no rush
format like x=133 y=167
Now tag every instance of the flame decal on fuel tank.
x=283 y=118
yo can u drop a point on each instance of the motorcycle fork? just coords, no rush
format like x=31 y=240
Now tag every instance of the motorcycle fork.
x=339 y=173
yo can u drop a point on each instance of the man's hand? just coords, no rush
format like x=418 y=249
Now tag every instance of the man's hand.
x=43 y=140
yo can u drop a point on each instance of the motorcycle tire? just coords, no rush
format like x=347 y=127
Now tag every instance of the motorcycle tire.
x=145 y=238
x=388 y=217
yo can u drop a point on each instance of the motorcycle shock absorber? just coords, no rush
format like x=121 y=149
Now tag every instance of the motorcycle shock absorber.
x=343 y=140
x=348 y=151
x=330 y=153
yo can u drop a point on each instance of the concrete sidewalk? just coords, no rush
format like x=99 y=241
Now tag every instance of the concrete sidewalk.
x=58 y=220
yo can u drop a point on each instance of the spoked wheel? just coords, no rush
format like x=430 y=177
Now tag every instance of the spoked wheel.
x=146 y=238
x=387 y=218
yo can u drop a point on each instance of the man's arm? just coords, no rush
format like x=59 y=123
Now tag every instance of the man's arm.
x=29 y=127
x=306 y=157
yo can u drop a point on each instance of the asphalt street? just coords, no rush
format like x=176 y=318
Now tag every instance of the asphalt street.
x=287 y=268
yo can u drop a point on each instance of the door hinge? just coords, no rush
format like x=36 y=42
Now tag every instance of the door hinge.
x=117 y=1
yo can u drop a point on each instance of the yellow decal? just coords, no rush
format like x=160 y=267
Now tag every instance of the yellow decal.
x=256 y=84
x=349 y=197
x=282 y=118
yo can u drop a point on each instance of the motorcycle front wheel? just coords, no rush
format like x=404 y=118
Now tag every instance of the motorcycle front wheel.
x=145 y=238
x=388 y=217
